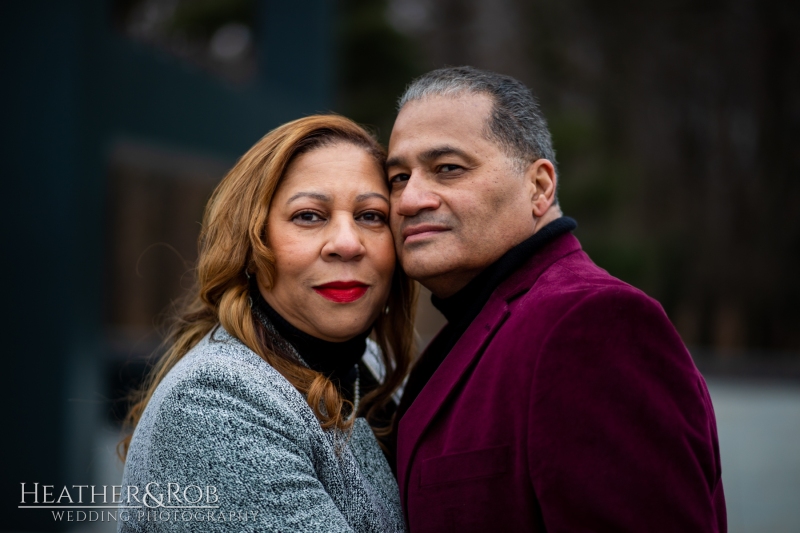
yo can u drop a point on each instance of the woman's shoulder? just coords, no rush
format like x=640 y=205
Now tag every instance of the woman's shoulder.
x=220 y=357
x=220 y=377
x=217 y=401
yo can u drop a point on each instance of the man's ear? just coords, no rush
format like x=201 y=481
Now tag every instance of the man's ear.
x=542 y=178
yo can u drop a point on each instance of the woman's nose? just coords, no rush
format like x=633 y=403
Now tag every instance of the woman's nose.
x=344 y=241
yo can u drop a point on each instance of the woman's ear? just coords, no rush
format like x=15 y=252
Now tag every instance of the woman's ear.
x=542 y=176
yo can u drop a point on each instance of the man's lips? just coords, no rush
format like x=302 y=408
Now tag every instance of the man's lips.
x=342 y=291
x=422 y=231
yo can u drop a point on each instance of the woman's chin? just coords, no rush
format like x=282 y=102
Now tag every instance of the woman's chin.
x=339 y=322
x=340 y=333
x=340 y=325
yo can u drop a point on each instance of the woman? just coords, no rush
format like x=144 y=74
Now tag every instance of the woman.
x=249 y=421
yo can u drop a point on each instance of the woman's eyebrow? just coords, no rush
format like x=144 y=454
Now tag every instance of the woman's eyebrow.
x=366 y=195
x=315 y=195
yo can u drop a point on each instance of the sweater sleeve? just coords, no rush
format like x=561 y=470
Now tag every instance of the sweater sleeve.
x=622 y=435
x=246 y=442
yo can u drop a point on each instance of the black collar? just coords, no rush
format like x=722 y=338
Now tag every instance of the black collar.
x=465 y=305
x=333 y=359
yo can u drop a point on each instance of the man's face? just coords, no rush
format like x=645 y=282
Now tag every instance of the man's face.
x=458 y=202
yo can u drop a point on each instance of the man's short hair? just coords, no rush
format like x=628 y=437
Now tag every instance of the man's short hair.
x=517 y=123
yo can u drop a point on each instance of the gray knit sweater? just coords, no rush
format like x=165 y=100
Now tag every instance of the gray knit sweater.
x=227 y=444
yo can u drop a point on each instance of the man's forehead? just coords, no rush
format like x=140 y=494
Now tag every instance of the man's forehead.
x=438 y=124
x=476 y=105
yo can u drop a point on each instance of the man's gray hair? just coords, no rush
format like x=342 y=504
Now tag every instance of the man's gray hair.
x=516 y=124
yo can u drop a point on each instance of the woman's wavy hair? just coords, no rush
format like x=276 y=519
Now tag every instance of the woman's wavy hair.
x=232 y=246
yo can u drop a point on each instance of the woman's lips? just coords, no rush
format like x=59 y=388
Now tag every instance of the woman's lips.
x=342 y=291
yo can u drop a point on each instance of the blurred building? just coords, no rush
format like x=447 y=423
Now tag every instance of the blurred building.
x=118 y=119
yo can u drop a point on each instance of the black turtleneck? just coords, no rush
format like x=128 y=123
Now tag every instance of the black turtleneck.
x=336 y=360
x=461 y=308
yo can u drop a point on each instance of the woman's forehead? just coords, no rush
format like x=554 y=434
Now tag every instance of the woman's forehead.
x=335 y=170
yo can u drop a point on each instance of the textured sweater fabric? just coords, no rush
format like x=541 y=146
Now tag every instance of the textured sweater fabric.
x=233 y=446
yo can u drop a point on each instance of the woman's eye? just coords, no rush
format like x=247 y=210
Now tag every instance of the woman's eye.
x=307 y=217
x=372 y=217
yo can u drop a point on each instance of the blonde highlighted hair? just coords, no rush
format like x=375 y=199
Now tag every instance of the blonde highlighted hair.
x=232 y=246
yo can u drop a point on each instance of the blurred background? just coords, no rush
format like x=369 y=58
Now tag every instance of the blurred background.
x=677 y=131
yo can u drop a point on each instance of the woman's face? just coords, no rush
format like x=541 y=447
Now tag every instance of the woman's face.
x=334 y=256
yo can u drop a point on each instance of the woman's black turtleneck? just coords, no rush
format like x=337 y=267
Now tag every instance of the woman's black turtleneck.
x=461 y=308
x=336 y=360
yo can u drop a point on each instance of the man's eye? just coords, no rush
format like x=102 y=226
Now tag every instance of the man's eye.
x=398 y=178
x=449 y=168
x=307 y=217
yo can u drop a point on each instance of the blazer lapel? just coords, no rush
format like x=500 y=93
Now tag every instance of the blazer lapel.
x=466 y=352
x=444 y=381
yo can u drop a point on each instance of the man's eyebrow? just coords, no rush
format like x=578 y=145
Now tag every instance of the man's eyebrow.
x=394 y=162
x=430 y=155
x=315 y=195
x=439 y=151
x=366 y=195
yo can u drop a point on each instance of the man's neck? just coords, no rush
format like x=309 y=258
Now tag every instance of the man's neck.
x=449 y=283
x=553 y=213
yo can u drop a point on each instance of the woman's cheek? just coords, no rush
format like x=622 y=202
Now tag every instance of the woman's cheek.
x=388 y=266
x=386 y=258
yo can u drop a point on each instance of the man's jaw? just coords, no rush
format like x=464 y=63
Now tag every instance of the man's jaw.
x=442 y=280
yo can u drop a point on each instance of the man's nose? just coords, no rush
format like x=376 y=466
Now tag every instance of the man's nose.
x=416 y=196
x=344 y=240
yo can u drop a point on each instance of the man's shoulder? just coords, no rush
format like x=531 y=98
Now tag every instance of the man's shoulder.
x=564 y=293
x=576 y=277
x=576 y=309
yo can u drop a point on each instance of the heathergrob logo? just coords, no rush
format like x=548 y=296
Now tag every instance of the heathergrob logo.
x=155 y=502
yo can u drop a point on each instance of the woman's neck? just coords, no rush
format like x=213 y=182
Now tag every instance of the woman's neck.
x=333 y=359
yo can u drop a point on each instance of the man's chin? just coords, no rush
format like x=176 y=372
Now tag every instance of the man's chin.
x=422 y=266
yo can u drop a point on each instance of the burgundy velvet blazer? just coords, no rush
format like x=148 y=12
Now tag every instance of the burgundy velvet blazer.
x=570 y=404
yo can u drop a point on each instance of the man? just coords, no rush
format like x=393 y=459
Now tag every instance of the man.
x=556 y=398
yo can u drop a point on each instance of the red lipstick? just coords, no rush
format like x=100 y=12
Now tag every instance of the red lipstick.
x=342 y=292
